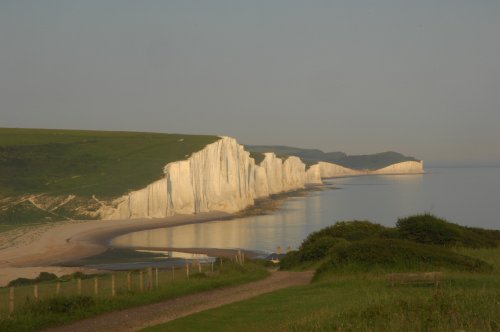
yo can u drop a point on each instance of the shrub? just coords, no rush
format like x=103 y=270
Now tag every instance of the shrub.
x=20 y=282
x=59 y=304
x=314 y=251
x=199 y=275
x=349 y=230
x=43 y=276
x=392 y=254
x=46 y=276
x=428 y=229
x=490 y=234
x=291 y=259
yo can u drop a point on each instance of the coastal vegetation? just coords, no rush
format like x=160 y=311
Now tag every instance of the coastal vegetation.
x=418 y=242
x=48 y=175
x=351 y=292
x=52 y=310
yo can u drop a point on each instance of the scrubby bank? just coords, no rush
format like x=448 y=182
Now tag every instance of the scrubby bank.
x=420 y=242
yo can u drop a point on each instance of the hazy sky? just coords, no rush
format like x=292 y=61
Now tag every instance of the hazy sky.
x=419 y=77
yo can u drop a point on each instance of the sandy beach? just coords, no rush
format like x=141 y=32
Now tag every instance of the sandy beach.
x=42 y=248
x=25 y=252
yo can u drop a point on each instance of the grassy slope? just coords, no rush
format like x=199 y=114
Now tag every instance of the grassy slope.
x=53 y=311
x=350 y=291
x=364 y=302
x=87 y=162
x=83 y=163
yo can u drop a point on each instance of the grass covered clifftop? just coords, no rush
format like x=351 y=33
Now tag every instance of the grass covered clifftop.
x=83 y=164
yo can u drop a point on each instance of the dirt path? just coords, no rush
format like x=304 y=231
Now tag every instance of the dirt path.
x=134 y=319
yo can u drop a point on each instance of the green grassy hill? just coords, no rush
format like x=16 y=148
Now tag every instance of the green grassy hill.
x=58 y=163
x=418 y=242
x=351 y=292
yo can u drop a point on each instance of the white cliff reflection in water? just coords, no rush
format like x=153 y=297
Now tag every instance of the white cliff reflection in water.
x=464 y=196
x=257 y=232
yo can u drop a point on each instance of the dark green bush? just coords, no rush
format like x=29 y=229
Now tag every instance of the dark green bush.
x=46 y=276
x=199 y=275
x=347 y=242
x=59 y=304
x=428 y=229
x=403 y=255
x=21 y=282
x=354 y=230
x=291 y=259
x=389 y=233
x=490 y=234
x=314 y=251
x=43 y=276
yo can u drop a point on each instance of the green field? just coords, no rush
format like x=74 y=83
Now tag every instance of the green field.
x=58 y=163
x=364 y=302
x=68 y=306
x=350 y=291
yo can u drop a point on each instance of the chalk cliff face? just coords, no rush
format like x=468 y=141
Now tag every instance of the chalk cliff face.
x=329 y=170
x=406 y=167
x=274 y=172
x=313 y=175
x=261 y=182
x=223 y=177
x=294 y=174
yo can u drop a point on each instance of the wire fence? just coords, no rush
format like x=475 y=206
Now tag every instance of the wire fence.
x=107 y=285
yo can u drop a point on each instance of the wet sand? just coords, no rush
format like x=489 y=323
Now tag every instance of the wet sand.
x=42 y=250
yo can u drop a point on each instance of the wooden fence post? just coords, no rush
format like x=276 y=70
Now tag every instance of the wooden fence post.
x=187 y=270
x=58 y=288
x=113 y=289
x=199 y=267
x=11 y=300
x=79 y=286
x=141 y=282
x=35 y=291
x=96 y=286
x=129 y=281
x=156 y=277
x=150 y=278
x=212 y=266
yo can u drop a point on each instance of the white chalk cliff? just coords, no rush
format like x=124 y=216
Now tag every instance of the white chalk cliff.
x=405 y=167
x=223 y=177
x=329 y=170
x=313 y=175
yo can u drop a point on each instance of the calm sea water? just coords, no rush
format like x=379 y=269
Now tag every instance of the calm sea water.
x=467 y=196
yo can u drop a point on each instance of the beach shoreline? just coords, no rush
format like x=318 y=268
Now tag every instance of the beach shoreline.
x=46 y=248
x=79 y=239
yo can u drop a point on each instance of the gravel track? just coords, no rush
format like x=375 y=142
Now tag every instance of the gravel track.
x=137 y=318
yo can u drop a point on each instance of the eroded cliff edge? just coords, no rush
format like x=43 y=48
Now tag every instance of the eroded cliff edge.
x=223 y=177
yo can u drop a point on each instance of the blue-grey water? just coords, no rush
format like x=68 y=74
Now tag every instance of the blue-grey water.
x=467 y=196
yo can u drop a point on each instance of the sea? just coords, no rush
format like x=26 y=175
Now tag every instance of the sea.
x=466 y=196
